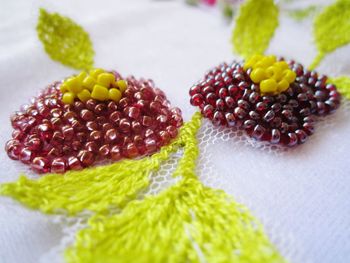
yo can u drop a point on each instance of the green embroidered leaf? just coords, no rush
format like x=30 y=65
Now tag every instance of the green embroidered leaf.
x=187 y=222
x=255 y=26
x=65 y=41
x=331 y=29
x=343 y=85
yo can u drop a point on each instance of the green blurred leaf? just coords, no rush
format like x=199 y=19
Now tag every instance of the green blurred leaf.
x=332 y=29
x=65 y=41
x=255 y=26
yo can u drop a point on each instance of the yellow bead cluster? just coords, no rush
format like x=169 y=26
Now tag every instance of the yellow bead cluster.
x=274 y=76
x=98 y=84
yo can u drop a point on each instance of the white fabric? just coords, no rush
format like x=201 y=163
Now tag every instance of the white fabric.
x=301 y=196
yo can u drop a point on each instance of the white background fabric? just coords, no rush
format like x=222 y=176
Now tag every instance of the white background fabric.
x=302 y=197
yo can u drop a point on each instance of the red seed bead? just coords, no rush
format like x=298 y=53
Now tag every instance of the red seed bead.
x=58 y=165
x=95 y=136
x=90 y=104
x=136 y=127
x=131 y=150
x=104 y=151
x=86 y=158
x=164 y=137
x=115 y=153
x=74 y=163
x=172 y=131
x=124 y=125
x=150 y=145
x=111 y=135
x=40 y=165
x=26 y=155
x=13 y=149
x=34 y=144
x=147 y=121
x=91 y=147
x=92 y=125
x=87 y=115
x=68 y=133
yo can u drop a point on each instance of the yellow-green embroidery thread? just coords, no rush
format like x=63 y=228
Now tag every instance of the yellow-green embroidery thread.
x=331 y=29
x=97 y=189
x=254 y=27
x=65 y=41
x=343 y=85
x=187 y=222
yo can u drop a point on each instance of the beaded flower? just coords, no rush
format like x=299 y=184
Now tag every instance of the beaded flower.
x=92 y=118
x=272 y=100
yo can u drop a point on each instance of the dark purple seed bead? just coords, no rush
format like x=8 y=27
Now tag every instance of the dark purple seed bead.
x=302 y=136
x=293 y=139
x=330 y=87
x=258 y=132
x=254 y=97
x=240 y=113
x=246 y=94
x=232 y=90
x=208 y=111
x=239 y=77
x=220 y=104
x=321 y=107
x=276 y=107
x=230 y=102
x=208 y=89
x=293 y=103
x=268 y=99
x=287 y=107
x=284 y=127
x=218 y=118
x=223 y=93
x=313 y=106
x=254 y=115
x=249 y=124
x=261 y=106
x=287 y=114
x=320 y=95
x=293 y=126
x=302 y=97
x=243 y=85
x=310 y=119
x=197 y=100
x=243 y=104
x=276 y=122
x=281 y=98
x=311 y=81
x=305 y=112
x=275 y=136
x=230 y=119
x=308 y=128
x=269 y=115
x=211 y=99
x=319 y=84
x=335 y=94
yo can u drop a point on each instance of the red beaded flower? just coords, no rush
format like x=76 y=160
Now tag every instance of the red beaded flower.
x=228 y=96
x=52 y=136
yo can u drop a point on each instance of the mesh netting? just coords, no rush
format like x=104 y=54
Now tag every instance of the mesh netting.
x=212 y=175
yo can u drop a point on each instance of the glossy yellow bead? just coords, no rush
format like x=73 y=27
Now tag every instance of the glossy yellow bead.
x=258 y=75
x=122 y=85
x=89 y=82
x=95 y=72
x=268 y=86
x=82 y=75
x=274 y=72
x=266 y=62
x=74 y=85
x=282 y=65
x=282 y=85
x=63 y=88
x=114 y=94
x=105 y=79
x=99 y=93
x=68 y=98
x=289 y=75
x=84 y=95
